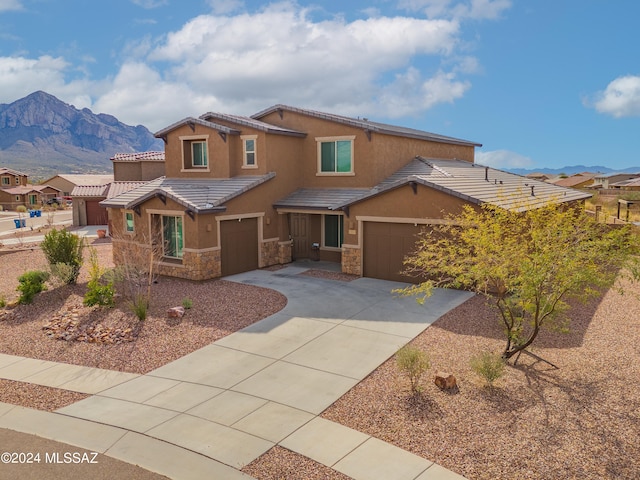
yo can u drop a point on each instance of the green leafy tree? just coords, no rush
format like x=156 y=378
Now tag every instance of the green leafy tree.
x=63 y=247
x=528 y=263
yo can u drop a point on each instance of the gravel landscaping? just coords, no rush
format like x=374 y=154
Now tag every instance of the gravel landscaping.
x=219 y=308
x=581 y=421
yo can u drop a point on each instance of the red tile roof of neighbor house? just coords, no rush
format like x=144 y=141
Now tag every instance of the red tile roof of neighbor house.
x=90 y=191
x=138 y=157
x=24 y=189
x=12 y=172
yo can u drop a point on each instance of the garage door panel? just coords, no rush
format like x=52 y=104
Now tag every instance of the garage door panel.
x=96 y=214
x=239 y=245
x=385 y=247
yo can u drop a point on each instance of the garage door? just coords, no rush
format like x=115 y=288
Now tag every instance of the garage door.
x=239 y=245
x=96 y=214
x=385 y=247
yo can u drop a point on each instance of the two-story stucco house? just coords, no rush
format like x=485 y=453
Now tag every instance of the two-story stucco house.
x=241 y=193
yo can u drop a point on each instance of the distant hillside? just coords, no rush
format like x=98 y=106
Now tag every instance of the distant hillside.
x=41 y=136
x=570 y=170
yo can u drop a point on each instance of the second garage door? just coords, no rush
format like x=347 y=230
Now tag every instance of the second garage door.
x=239 y=245
x=385 y=247
x=96 y=214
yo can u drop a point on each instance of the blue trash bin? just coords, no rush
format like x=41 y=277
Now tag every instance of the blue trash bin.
x=38 y=213
x=32 y=213
x=17 y=222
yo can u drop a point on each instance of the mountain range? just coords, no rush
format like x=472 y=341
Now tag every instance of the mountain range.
x=42 y=136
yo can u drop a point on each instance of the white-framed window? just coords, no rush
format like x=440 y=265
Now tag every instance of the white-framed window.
x=33 y=199
x=6 y=180
x=195 y=153
x=172 y=236
x=335 y=155
x=249 y=159
x=129 y=225
x=17 y=180
x=333 y=231
x=18 y=199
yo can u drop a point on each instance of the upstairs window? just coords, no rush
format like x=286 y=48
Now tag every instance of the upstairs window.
x=194 y=153
x=6 y=180
x=249 y=151
x=17 y=180
x=335 y=155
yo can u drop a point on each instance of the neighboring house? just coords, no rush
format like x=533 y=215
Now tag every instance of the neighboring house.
x=30 y=196
x=605 y=181
x=578 y=180
x=12 y=178
x=542 y=177
x=145 y=166
x=86 y=201
x=67 y=182
x=633 y=184
x=247 y=192
x=15 y=190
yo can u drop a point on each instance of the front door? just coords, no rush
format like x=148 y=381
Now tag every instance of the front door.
x=300 y=234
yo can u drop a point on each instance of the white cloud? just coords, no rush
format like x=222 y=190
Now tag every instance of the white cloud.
x=378 y=66
x=503 y=159
x=7 y=5
x=621 y=98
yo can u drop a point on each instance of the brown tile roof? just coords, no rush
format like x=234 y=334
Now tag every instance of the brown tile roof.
x=251 y=122
x=368 y=125
x=118 y=188
x=320 y=198
x=138 y=157
x=477 y=184
x=197 y=195
x=196 y=121
x=90 y=191
x=12 y=172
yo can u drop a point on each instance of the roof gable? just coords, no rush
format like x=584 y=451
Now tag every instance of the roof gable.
x=252 y=123
x=192 y=122
x=367 y=125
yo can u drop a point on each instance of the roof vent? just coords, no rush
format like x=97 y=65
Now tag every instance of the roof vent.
x=532 y=187
x=486 y=174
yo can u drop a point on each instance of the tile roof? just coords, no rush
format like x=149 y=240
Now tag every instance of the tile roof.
x=369 y=125
x=24 y=189
x=138 y=157
x=12 y=172
x=197 y=195
x=118 y=188
x=196 y=121
x=574 y=180
x=477 y=184
x=251 y=122
x=80 y=179
x=320 y=198
x=90 y=191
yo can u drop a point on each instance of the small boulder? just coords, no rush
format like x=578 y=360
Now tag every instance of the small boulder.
x=175 y=312
x=445 y=381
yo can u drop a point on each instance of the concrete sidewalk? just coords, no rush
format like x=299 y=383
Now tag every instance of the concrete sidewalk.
x=210 y=413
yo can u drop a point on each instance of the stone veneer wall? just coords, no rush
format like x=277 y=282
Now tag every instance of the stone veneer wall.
x=268 y=253
x=195 y=265
x=285 y=252
x=351 y=260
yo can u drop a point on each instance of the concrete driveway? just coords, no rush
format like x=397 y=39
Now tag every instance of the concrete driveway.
x=210 y=413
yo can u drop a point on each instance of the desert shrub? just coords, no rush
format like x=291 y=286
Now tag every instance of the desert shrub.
x=187 y=303
x=3 y=301
x=489 y=366
x=61 y=246
x=99 y=291
x=413 y=362
x=30 y=284
x=139 y=306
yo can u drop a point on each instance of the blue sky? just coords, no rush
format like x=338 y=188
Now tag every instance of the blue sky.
x=543 y=83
